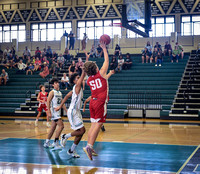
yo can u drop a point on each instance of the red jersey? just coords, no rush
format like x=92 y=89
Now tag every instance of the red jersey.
x=98 y=86
x=43 y=97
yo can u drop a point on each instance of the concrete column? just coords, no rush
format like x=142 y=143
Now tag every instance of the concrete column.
x=63 y=44
x=173 y=39
x=15 y=44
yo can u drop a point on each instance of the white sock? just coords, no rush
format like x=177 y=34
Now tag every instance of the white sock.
x=91 y=146
x=36 y=120
x=68 y=135
x=73 y=147
x=47 y=140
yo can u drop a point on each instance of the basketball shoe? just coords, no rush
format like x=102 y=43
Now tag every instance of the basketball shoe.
x=73 y=154
x=63 y=140
x=56 y=146
x=88 y=152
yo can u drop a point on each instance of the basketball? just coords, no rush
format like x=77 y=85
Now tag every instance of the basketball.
x=105 y=39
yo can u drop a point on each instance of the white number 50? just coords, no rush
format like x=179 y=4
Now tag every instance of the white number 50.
x=96 y=84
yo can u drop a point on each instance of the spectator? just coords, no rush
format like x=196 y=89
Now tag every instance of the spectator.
x=128 y=62
x=168 y=49
x=45 y=71
x=84 y=41
x=30 y=69
x=26 y=53
x=45 y=60
x=117 y=50
x=53 y=68
x=54 y=56
x=92 y=51
x=16 y=60
x=13 y=52
x=21 y=67
x=158 y=46
x=60 y=61
x=181 y=51
x=99 y=51
x=33 y=60
x=49 y=52
x=10 y=61
x=72 y=68
x=113 y=63
x=175 y=54
x=29 y=61
x=149 y=47
x=71 y=40
x=79 y=64
x=66 y=35
x=4 y=77
x=6 y=53
x=120 y=63
x=44 y=53
x=37 y=52
x=66 y=55
x=154 y=55
x=145 y=55
x=64 y=81
x=159 y=59
x=37 y=65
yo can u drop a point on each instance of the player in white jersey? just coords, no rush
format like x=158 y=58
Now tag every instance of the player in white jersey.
x=74 y=113
x=54 y=100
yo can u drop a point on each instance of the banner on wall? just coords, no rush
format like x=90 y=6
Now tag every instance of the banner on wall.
x=177 y=8
x=119 y=8
x=34 y=17
x=155 y=10
x=61 y=12
x=189 y=4
x=17 y=18
x=8 y=14
x=91 y=13
x=111 y=12
x=43 y=12
x=2 y=20
x=71 y=14
x=197 y=9
x=165 y=5
x=101 y=9
x=81 y=10
x=25 y=14
x=52 y=16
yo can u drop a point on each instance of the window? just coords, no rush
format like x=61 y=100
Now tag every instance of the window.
x=94 y=29
x=9 y=32
x=190 y=25
x=161 y=26
x=49 y=31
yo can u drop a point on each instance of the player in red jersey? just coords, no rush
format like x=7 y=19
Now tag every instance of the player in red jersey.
x=98 y=83
x=42 y=98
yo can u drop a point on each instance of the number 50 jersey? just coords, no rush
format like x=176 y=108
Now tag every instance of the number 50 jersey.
x=55 y=102
x=99 y=86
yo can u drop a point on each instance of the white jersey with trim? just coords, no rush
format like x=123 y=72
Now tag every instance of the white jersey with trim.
x=56 y=101
x=77 y=100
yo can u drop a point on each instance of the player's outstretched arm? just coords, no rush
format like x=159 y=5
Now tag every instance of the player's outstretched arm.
x=38 y=97
x=110 y=73
x=87 y=55
x=69 y=94
x=104 y=68
x=50 y=97
x=79 y=82
x=86 y=101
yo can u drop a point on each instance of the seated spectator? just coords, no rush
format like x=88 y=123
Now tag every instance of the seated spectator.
x=66 y=55
x=33 y=60
x=154 y=55
x=45 y=60
x=175 y=54
x=4 y=77
x=54 y=56
x=159 y=59
x=149 y=47
x=113 y=63
x=53 y=68
x=37 y=65
x=180 y=48
x=117 y=50
x=16 y=60
x=158 y=46
x=10 y=61
x=79 y=64
x=120 y=63
x=21 y=67
x=13 y=52
x=28 y=61
x=99 y=51
x=72 y=68
x=37 y=52
x=49 y=52
x=168 y=49
x=30 y=69
x=6 y=53
x=45 y=71
x=64 y=81
x=128 y=62
x=92 y=51
x=44 y=53
x=60 y=61
x=145 y=55
x=26 y=53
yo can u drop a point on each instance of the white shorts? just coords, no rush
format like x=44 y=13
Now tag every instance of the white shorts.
x=55 y=114
x=75 y=119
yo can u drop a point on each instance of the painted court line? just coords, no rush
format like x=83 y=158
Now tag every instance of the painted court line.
x=179 y=171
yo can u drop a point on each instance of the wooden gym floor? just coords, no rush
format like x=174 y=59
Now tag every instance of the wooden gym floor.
x=127 y=146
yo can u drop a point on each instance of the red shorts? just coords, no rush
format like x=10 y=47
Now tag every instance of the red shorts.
x=42 y=106
x=98 y=110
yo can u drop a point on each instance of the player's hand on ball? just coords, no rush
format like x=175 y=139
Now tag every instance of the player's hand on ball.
x=103 y=45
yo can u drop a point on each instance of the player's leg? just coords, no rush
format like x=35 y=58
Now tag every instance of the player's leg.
x=50 y=134
x=45 y=109
x=37 y=118
x=60 y=125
